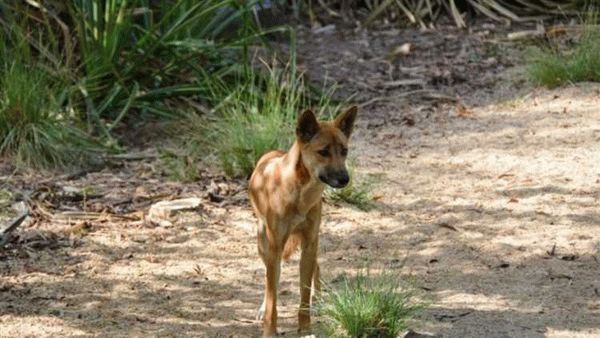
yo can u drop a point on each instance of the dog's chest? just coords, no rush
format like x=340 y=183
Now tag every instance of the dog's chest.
x=299 y=209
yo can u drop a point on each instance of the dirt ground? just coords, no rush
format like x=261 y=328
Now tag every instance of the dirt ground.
x=490 y=205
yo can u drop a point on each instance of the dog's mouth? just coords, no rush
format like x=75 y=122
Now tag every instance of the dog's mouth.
x=339 y=180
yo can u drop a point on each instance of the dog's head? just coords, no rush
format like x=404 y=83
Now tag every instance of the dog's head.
x=324 y=146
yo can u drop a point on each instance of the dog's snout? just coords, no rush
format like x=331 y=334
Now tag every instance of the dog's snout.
x=336 y=179
x=343 y=178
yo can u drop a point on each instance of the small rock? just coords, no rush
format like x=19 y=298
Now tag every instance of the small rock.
x=413 y=334
x=161 y=212
x=403 y=49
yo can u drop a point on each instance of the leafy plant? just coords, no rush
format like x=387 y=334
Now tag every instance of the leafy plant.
x=367 y=305
x=108 y=64
x=147 y=62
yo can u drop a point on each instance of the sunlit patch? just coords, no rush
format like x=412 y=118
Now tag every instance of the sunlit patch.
x=481 y=302
x=37 y=326
x=565 y=333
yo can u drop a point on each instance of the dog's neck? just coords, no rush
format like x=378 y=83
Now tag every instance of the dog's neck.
x=294 y=165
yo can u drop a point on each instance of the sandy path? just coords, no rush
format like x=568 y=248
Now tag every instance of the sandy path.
x=512 y=182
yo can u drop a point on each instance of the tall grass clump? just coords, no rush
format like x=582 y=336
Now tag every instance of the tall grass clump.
x=552 y=66
x=255 y=115
x=140 y=60
x=33 y=129
x=367 y=305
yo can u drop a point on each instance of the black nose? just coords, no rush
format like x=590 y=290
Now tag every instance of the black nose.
x=336 y=179
x=343 y=179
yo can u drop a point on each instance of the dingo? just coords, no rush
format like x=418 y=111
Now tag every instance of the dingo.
x=285 y=192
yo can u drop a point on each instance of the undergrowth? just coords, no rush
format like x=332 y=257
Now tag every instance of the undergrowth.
x=367 y=305
x=552 y=65
x=80 y=70
x=251 y=116
x=34 y=131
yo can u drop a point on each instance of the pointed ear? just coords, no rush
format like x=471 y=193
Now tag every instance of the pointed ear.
x=345 y=121
x=307 y=127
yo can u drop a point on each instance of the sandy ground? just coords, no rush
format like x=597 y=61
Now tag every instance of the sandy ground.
x=494 y=215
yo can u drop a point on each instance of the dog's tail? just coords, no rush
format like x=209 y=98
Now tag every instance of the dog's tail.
x=291 y=245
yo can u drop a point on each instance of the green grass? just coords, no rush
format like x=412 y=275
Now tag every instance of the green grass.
x=93 y=69
x=252 y=116
x=33 y=129
x=367 y=305
x=552 y=66
x=255 y=116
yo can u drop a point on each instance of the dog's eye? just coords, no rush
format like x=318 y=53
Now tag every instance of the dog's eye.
x=324 y=152
x=344 y=151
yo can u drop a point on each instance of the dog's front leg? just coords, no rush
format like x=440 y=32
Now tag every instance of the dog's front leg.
x=308 y=264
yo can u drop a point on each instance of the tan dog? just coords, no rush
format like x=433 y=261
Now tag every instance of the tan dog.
x=286 y=191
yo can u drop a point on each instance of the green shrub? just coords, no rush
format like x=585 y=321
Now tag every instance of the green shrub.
x=148 y=63
x=367 y=306
x=33 y=129
x=253 y=116
x=106 y=62
x=552 y=66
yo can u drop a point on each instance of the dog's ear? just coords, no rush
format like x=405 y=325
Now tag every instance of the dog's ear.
x=345 y=121
x=307 y=127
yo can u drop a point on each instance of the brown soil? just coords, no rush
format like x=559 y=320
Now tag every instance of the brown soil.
x=491 y=208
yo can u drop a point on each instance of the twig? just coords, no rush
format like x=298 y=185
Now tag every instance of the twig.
x=426 y=93
x=91 y=216
x=408 y=82
x=4 y=234
x=132 y=156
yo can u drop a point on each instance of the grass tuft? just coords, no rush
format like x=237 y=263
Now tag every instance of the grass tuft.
x=32 y=129
x=251 y=117
x=552 y=66
x=367 y=306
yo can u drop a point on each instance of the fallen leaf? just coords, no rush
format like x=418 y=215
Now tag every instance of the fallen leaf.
x=462 y=111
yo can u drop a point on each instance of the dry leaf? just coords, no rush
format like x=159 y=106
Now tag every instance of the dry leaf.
x=462 y=111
